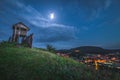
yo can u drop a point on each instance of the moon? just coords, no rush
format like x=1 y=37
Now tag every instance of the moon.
x=52 y=16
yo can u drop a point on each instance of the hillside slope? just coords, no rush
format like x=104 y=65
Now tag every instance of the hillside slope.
x=35 y=64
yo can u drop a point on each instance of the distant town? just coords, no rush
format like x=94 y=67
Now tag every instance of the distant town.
x=94 y=56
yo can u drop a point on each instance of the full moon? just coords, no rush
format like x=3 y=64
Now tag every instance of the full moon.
x=52 y=16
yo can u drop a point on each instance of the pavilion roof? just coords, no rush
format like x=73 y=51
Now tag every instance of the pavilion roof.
x=21 y=25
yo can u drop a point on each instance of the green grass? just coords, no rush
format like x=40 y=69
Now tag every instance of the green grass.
x=35 y=64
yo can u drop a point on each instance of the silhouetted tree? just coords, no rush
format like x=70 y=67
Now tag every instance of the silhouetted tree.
x=50 y=48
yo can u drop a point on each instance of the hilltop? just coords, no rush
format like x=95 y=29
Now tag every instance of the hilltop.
x=37 y=64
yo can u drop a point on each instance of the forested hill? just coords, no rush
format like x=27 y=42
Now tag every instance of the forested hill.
x=90 y=49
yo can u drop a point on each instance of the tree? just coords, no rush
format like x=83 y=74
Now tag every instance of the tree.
x=50 y=48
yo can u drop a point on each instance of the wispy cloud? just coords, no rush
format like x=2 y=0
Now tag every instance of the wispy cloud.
x=98 y=6
x=35 y=17
x=47 y=31
x=107 y=3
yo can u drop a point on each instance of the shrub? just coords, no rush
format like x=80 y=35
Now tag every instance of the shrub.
x=7 y=44
x=50 y=48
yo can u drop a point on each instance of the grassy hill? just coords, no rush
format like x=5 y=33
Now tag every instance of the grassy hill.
x=36 y=64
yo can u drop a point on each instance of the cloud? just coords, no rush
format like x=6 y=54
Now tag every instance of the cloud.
x=95 y=8
x=56 y=34
x=47 y=31
x=34 y=16
x=107 y=3
x=52 y=32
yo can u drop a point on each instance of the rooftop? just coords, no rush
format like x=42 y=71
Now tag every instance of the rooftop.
x=21 y=25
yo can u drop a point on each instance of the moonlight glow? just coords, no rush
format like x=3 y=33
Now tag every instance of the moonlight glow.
x=52 y=16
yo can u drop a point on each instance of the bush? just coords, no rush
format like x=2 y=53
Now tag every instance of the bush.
x=7 y=44
x=50 y=48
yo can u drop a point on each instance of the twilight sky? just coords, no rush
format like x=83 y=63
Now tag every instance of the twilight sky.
x=76 y=23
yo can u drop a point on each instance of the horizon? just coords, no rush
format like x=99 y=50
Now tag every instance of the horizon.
x=64 y=24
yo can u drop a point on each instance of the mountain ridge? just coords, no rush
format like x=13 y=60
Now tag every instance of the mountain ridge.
x=90 y=49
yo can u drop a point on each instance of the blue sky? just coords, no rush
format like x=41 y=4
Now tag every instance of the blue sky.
x=76 y=23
